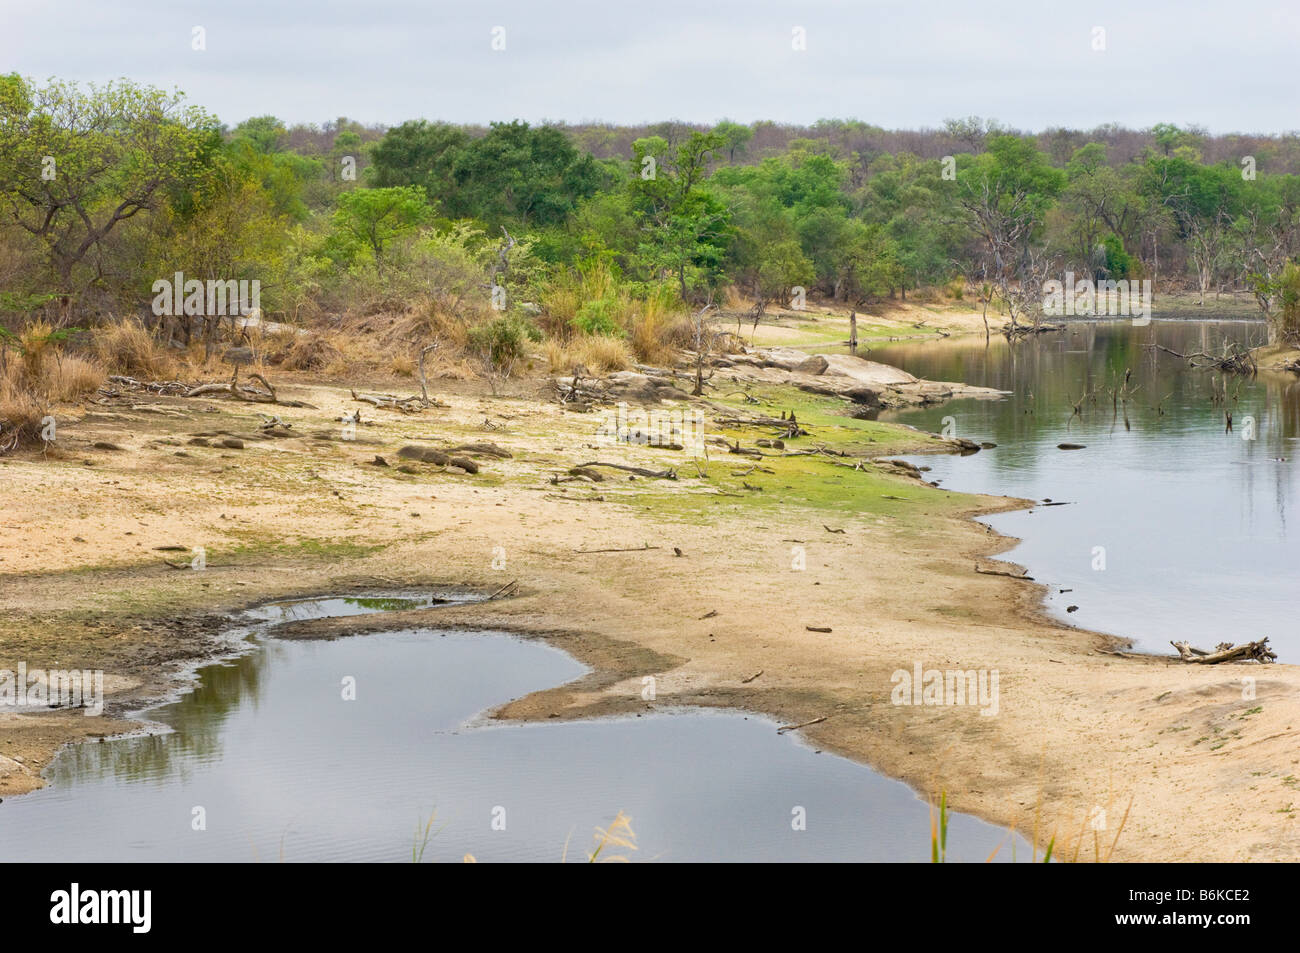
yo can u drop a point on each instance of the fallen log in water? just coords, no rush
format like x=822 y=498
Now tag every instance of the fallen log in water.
x=1227 y=652
x=1233 y=359
x=1014 y=330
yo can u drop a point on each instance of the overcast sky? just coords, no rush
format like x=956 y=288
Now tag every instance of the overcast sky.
x=1229 y=66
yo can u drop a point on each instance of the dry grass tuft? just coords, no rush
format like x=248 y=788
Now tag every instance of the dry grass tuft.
x=21 y=413
x=69 y=377
x=36 y=379
x=127 y=347
x=599 y=354
x=313 y=351
x=618 y=834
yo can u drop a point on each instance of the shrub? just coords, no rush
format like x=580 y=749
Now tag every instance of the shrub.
x=597 y=318
x=40 y=377
x=1288 y=318
x=504 y=339
x=1119 y=263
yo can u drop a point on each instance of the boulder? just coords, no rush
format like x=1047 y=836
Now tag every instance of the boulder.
x=814 y=365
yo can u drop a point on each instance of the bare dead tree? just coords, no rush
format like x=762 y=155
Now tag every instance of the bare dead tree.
x=1205 y=246
x=1021 y=293
x=496 y=371
x=1000 y=212
x=702 y=340
x=502 y=265
x=1267 y=249
x=424 y=384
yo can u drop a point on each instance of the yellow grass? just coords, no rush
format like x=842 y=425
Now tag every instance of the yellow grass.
x=35 y=341
x=69 y=377
x=127 y=347
x=597 y=353
x=32 y=383
x=20 y=416
x=657 y=332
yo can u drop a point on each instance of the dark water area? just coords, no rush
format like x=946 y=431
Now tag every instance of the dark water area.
x=277 y=765
x=1176 y=528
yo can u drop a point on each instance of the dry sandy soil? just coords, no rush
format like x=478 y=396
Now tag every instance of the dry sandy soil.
x=1193 y=770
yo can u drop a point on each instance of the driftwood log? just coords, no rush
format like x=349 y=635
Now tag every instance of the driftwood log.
x=171 y=388
x=1002 y=572
x=407 y=405
x=1234 y=358
x=242 y=391
x=437 y=458
x=669 y=474
x=1227 y=652
x=482 y=449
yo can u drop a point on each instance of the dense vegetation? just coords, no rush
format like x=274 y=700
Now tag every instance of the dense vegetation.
x=486 y=237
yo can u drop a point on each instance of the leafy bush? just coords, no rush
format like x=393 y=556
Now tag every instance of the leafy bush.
x=597 y=317
x=503 y=339
x=1118 y=262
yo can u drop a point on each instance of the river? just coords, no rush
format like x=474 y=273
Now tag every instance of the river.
x=1175 y=528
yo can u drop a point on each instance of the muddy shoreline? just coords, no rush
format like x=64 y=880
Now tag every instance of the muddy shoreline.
x=206 y=638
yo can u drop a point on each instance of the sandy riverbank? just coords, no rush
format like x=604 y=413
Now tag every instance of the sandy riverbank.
x=1077 y=727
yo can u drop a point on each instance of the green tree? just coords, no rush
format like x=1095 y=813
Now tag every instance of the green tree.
x=904 y=195
x=684 y=228
x=418 y=153
x=266 y=134
x=852 y=258
x=374 y=218
x=735 y=137
x=75 y=164
x=283 y=175
x=1203 y=200
x=520 y=174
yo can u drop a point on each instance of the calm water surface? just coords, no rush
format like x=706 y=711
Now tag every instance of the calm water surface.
x=283 y=768
x=1176 y=528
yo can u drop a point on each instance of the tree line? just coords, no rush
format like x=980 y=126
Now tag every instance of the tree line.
x=104 y=189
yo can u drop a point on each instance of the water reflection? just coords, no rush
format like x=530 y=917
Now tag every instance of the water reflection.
x=195 y=724
x=283 y=767
x=333 y=607
x=1178 y=527
x=198 y=718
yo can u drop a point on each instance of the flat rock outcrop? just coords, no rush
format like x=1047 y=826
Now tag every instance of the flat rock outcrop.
x=843 y=375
